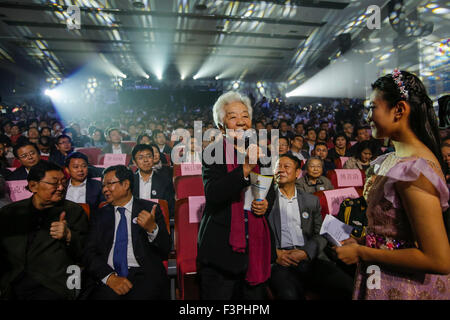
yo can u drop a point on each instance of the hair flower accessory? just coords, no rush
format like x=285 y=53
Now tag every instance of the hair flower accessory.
x=397 y=77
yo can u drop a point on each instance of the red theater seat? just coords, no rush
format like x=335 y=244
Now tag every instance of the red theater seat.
x=186 y=186
x=91 y=153
x=185 y=245
x=333 y=176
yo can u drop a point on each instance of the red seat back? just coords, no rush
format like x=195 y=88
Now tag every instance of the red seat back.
x=91 y=153
x=186 y=186
x=333 y=176
x=185 y=232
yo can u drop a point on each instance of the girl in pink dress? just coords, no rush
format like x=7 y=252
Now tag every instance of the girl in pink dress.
x=406 y=254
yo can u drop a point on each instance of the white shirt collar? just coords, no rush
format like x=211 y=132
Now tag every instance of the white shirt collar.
x=149 y=179
x=80 y=185
x=294 y=197
x=128 y=206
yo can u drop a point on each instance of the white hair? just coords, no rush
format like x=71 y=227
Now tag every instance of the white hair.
x=227 y=98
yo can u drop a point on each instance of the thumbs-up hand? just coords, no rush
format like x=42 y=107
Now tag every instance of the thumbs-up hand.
x=147 y=219
x=59 y=229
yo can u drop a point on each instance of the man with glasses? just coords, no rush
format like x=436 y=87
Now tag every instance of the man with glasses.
x=28 y=155
x=40 y=237
x=63 y=149
x=127 y=243
x=149 y=183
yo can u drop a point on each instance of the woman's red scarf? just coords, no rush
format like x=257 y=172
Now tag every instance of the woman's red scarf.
x=259 y=250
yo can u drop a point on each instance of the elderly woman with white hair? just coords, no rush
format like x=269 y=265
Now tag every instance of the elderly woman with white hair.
x=235 y=246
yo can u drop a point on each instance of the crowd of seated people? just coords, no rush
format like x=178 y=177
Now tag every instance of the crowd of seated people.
x=43 y=150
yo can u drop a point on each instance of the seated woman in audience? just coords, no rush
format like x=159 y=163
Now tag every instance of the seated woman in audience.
x=314 y=181
x=143 y=139
x=97 y=140
x=340 y=147
x=363 y=157
x=406 y=196
x=322 y=135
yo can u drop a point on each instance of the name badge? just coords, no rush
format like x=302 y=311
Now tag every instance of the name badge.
x=153 y=192
x=305 y=215
x=135 y=220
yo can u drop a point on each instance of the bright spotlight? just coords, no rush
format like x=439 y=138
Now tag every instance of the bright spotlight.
x=195 y=77
x=146 y=76
x=236 y=85
x=48 y=92
x=182 y=77
x=217 y=78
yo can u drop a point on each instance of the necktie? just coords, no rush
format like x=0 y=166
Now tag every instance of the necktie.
x=120 y=247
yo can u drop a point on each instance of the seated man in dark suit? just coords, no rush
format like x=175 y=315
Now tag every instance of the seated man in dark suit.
x=115 y=143
x=149 y=183
x=40 y=237
x=301 y=263
x=64 y=147
x=127 y=243
x=160 y=139
x=28 y=155
x=82 y=189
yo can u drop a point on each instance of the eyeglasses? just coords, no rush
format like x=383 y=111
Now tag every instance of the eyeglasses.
x=147 y=157
x=26 y=155
x=110 y=184
x=56 y=184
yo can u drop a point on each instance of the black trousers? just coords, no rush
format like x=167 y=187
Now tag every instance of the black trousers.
x=145 y=287
x=26 y=288
x=320 y=276
x=218 y=285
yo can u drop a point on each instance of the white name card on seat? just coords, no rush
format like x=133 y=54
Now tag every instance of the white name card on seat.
x=112 y=159
x=191 y=169
x=12 y=169
x=17 y=190
x=196 y=207
x=335 y=198
x=349 y=178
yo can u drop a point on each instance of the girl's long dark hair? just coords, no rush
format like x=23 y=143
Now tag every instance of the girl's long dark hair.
x=422 y=118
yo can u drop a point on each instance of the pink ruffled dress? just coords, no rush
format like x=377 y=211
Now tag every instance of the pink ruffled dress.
x=388 y=228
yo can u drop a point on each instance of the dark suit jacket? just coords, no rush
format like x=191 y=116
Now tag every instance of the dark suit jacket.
x=47 y=258
x=149 y=255
x=162 y=188
x=214 y=231
x=125 y=148
x=314 y=243
x=18 y=174
x=94 y=195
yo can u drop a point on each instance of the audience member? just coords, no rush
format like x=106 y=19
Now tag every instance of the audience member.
x=40 y=237
x=149 y=183
x=301 y=263
x=127 y=243
x=362 y=158
x=314 y=181
x=115 y=143
x=28 y=155
x=82 y=189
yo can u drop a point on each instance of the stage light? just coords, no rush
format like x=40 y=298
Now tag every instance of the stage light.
x=47 y=92
x=182 y=77
x=147 y=76
x=217 y=78
x=236 y=85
